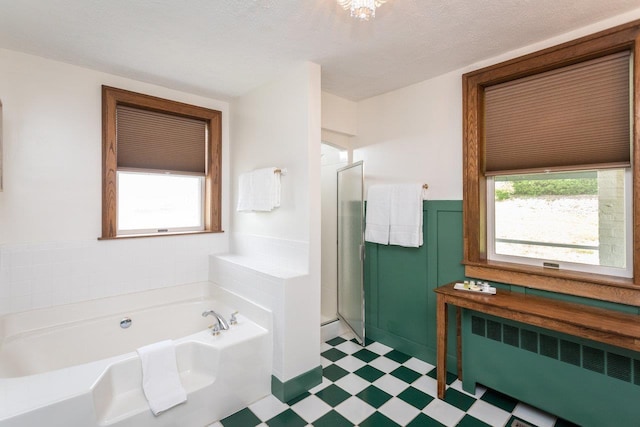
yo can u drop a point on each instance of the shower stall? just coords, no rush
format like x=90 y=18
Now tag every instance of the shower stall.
x=342 y=243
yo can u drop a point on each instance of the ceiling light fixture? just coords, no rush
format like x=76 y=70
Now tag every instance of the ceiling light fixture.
x=361 y=9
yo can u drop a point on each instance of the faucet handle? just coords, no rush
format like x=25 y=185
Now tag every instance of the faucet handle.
x=233 y=320
x=215 y=329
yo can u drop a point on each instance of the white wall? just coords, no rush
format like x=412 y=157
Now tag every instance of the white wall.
x=278 y=124
x=339 y=114
x=50 y=209
x=270 y=128
x=414 y=134
x=332 y=160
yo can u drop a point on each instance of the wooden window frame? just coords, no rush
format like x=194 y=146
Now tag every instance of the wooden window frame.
x=601 y=287
x=111 y=98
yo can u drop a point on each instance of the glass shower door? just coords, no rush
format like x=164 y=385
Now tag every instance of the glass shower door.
x=351 y=248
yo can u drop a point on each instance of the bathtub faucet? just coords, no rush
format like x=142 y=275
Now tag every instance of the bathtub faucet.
x=221 y=322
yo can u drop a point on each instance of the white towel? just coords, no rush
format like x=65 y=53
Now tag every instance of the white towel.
x=259 y=190
x=406 y=216
x=160 y=378
x=245 y=193
x=378 y=214
x=263 y=183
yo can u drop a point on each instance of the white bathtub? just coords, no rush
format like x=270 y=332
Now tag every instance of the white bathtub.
x=74 y=365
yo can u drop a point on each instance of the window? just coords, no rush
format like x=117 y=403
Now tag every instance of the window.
x=576 y=220
x=550 y=169
x=149 y=202
x=161 y=166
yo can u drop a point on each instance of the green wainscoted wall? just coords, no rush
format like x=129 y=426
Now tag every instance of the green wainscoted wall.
x=585 y=382
x=399 y=300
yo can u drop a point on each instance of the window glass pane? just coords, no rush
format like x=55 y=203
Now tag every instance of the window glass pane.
x=574 y=217
x=148 y=201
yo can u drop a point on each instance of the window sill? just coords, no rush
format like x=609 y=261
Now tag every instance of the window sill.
x=608 y=288
x=181 y=233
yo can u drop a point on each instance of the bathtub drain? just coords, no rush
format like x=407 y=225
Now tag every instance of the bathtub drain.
x=125 y=323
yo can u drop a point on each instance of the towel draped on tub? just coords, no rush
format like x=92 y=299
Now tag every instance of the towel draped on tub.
x=160 y=378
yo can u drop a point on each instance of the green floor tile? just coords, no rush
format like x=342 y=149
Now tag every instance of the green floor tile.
x=378 y=420
x=469 y=421
x=334 y=372
x=423 y=420
x=333 y=354
x=450 y=377
x=365 y=355
x=397 y=356
x=500 y=400
x=405 y=374
x=243 y=418
x=369 y=373
x=374 y=396
x=287 y=418
x=415 y=397
x=333 y=395
x=332 y=419
x=298 y=398
x=336 y=341
x=458 y=399
x=367 y=341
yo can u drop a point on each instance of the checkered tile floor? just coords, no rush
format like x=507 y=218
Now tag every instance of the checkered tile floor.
x=377 y=386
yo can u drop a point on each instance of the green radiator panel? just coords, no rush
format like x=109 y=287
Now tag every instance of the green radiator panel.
x=584 y=382
x=399 y=282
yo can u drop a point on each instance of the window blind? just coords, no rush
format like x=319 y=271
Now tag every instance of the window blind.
x=575 y=117
x=151 y=140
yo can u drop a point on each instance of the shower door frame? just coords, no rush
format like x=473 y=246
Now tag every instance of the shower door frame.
x=359 y=334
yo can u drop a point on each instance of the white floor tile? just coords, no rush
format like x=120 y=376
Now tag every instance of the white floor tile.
x=418 y=365
x=457 y=384
x=350 y=363
x=441 y=411
x=352 y=383
x=427 y=385
x=390 y=384
x=324 y=347
x=348 y=336
x=381 y=349
x=349 y=347
x=399 y=411
x=324 y=384
x=267 y=408
x=311 y=408
x=534 y=415
x=488 y=413
x=325 y=362
x=355 y=410
x=384 y=364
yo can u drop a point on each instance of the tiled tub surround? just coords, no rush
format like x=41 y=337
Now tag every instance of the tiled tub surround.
x=274 y=274
x=378 y=386
x=74 y=365
x=291 y=257
x=49 y=274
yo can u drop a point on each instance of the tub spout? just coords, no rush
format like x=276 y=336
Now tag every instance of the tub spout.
x=221 y=322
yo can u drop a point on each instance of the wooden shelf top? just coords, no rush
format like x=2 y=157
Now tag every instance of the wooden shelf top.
x=598 y=319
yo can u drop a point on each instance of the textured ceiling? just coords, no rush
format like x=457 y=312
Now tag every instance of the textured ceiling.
x=224 y=48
